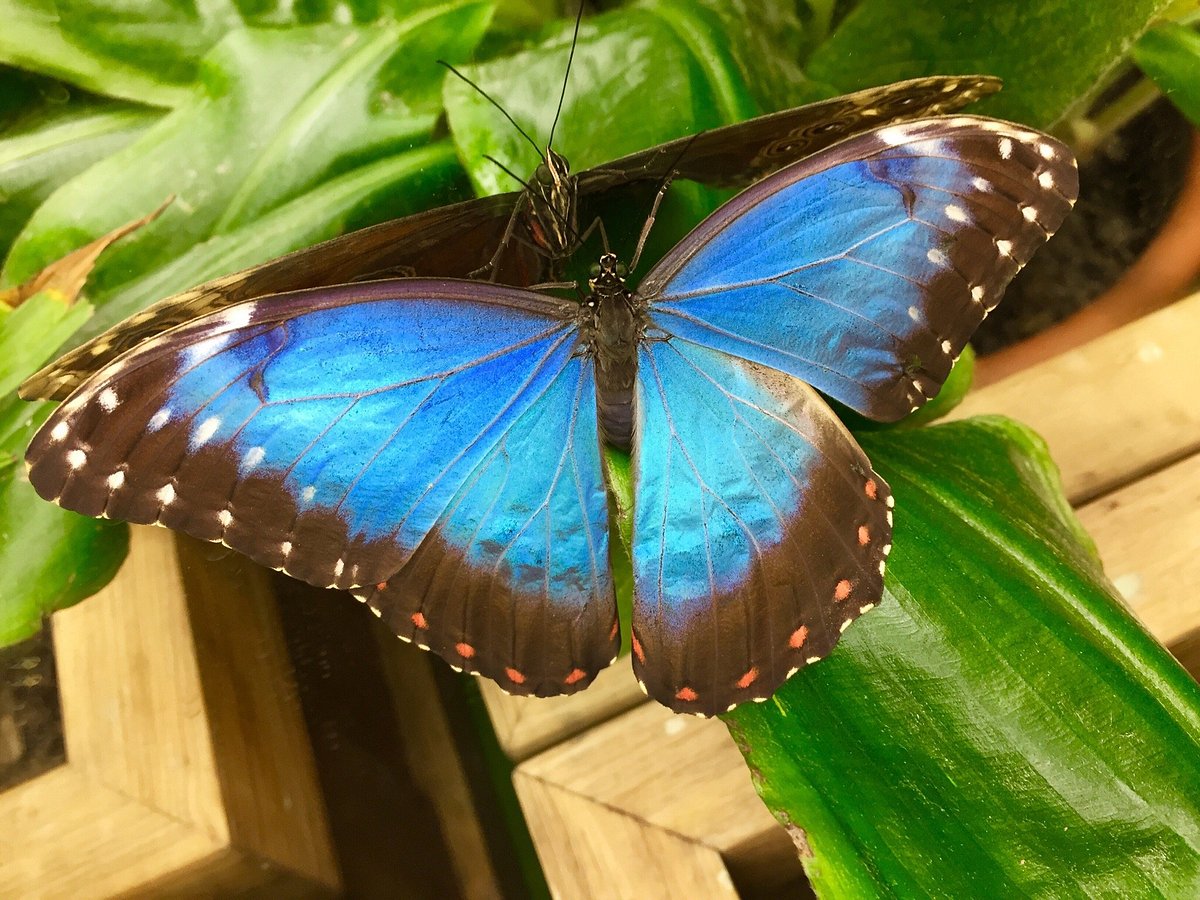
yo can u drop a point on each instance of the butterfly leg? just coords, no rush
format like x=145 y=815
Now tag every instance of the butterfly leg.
x=491 y=266
x=649 y=223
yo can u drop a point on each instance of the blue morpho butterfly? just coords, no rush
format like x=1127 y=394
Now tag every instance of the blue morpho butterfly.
x=541 y=220
x=434 y=445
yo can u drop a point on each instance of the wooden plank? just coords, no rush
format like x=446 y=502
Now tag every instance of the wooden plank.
x=527 y=725
x=187 y=759
x=132 y=702
x=270 y=792
x=65 y=835
x=677 y=774
x=1113 y=410
x=1147 y=535
x=588 y=849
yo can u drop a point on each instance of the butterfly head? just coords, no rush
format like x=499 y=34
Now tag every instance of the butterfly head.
x=553 y=216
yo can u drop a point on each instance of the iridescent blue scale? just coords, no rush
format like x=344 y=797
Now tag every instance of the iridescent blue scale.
x=434 y=447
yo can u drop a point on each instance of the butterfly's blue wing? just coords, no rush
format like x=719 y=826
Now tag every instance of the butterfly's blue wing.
x=760 y=530
x=864 y=269
x=431 y=446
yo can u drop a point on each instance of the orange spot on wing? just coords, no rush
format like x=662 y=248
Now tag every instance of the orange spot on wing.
x=514 y=676
x=616 y=627
x=864 y=535
x=749 y=678
x=799 y=636
x=418 y=619
x=382 y=586
x=686 y=694
x=637 y=649
x=466 y=651
x=576 y=676
x=871 y=489
x=842 y=591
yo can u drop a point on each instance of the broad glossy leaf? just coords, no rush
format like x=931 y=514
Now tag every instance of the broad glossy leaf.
x=1001 y=726
x=1170 y=54
x=150 y=50
x=1050 y=53
x=280 y=113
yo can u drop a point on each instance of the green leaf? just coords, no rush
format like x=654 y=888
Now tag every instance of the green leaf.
x=50 y=138
x=280 y=114
x=1001 y=725
x=150 y=50
x=1170 y=54
x=1050 y=53
x=31 y=333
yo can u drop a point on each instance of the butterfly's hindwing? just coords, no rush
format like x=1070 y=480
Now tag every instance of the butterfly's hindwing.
x=335 y=434
x=760 y=530
x=865 y=270
x=736 y=155
x=513 y=580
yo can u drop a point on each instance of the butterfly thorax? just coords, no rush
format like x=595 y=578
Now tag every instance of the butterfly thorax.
x=613 y=322
x=553 y=220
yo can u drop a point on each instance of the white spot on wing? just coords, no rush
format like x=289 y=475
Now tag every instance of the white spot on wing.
x=76 y=459
x=914 y=314
x=1046 y=180
x=338 y=568
x=894 y=136
x=108 y=399
x=205 y=430
x=206 y=349
x=981 y=184
x=1006 y=148
x=225 y=517
x=1005 y=248
x=947 y=347
x=253 y=457
x=115 y=480
x=238 y=316
x=937 y=257
x=863 y=610
x=977 y=293
x=956 y=213
x=59 y=431
x=159 y=419
x=1029 y=213
x=308 y=493
x=166 y=494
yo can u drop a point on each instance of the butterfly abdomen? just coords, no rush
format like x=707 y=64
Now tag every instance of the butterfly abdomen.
x=614 y=322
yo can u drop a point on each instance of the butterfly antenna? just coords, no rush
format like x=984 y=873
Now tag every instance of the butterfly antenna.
x=511 y=174
x=567 y=74
x=504 y=112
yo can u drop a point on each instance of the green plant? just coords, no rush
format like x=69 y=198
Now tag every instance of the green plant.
x=957 y=717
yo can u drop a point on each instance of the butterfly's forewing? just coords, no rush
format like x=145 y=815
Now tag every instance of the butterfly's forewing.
x=448 y=241
x=864 y=270
x=388 y=438
x=760 y=530
x=736 y=155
